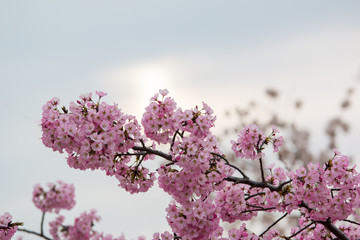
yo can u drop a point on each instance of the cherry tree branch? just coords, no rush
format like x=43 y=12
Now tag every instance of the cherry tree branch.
x=328 y=224
x=253 y=183
x=152 y=151
x=35 y=233
x=246 y=180
x=334 y=230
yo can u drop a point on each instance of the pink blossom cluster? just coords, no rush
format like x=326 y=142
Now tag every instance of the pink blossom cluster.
x=251 y=140
x=159 y=120
x=198 y=221
x=331 y=191
x=93 y=133
x=55 y=227
x=241 y=233
x=242 y=202
x=99 y=136
x=163 y=236
x=82 y=229
x=231 y=202
x=135 y=179
x=162 y=119
x=7 y=229
x=58 y=196
x=197 y=122
x=276 y=141
x=195 y=172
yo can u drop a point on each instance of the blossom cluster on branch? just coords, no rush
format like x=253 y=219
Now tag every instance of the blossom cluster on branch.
x=59 y=196
x=7 y=227
x=206 y=187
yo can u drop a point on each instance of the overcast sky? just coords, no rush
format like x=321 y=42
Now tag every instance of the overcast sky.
x=225 y=53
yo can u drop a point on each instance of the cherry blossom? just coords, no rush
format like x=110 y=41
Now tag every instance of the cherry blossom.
x=59 y=196
x=206 y=187
x=7 y=228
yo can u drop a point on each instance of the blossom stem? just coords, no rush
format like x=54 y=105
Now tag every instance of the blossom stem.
x=42 y=223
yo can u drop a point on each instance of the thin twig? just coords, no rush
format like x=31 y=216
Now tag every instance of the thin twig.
x=282 y=217
x=254 y=195
x=42 y=224
x=258 y=209
x=174 y=138
x=350 y=221
x=131 y=154
x=302 y=229
x=262 y=170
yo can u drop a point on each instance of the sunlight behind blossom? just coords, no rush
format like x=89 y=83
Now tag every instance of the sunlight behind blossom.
x=140 y=80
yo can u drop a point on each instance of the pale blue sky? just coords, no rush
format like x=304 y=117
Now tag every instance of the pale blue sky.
x=222 y=52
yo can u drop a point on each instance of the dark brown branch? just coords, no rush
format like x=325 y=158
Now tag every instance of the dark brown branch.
x=35 y=233
x=254 y=206
x=253 y=183
x=328 y=224
x=131 y=154
x=284 y=183
x=262 y=170
x=258 y=209
x=254 y=195
x=334 y=230
x=152 y=151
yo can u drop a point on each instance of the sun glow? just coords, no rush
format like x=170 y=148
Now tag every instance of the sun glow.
x=138 y=82
x=150 y=78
